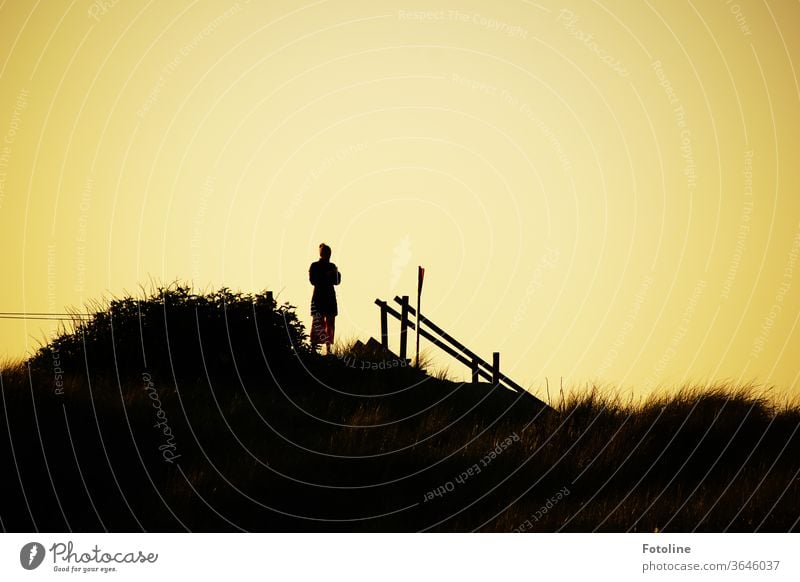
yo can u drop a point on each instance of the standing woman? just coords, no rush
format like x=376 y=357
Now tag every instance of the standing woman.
x=323 y=275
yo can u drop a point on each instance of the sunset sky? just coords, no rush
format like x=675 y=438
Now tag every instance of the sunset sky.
x=601 y=191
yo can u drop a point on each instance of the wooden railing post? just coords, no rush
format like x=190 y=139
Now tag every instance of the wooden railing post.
x=495 y=368
x=475 y=369
x=404 y=328
x=384 y=326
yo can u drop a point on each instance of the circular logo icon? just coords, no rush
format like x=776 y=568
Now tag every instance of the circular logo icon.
x=31 y=555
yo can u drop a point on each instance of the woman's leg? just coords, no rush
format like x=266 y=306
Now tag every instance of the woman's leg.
x=317 y=331
x=330 y=331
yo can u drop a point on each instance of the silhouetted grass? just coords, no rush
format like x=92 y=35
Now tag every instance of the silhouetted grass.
x=268 y=436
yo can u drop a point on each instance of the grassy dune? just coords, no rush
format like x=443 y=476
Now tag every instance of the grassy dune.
x=210 y=413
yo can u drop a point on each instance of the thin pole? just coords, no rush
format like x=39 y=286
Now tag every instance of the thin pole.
x=420 y=278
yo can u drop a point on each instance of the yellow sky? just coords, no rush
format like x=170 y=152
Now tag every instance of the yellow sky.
x=600 y=191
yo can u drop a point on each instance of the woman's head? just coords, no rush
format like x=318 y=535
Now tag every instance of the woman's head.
x=324 y=251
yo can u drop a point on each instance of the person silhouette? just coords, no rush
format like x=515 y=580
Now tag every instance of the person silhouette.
x=323 y=275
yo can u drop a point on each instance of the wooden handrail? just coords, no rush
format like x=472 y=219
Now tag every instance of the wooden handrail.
x=493 y=370
x=386 y=308
x=447 y=343
x=441 y=332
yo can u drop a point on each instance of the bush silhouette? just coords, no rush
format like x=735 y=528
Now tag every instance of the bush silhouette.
x=174 y=330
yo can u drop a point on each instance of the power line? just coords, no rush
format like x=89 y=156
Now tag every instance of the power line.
x=42 y=313
x=28 y=318
x=42 y=316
